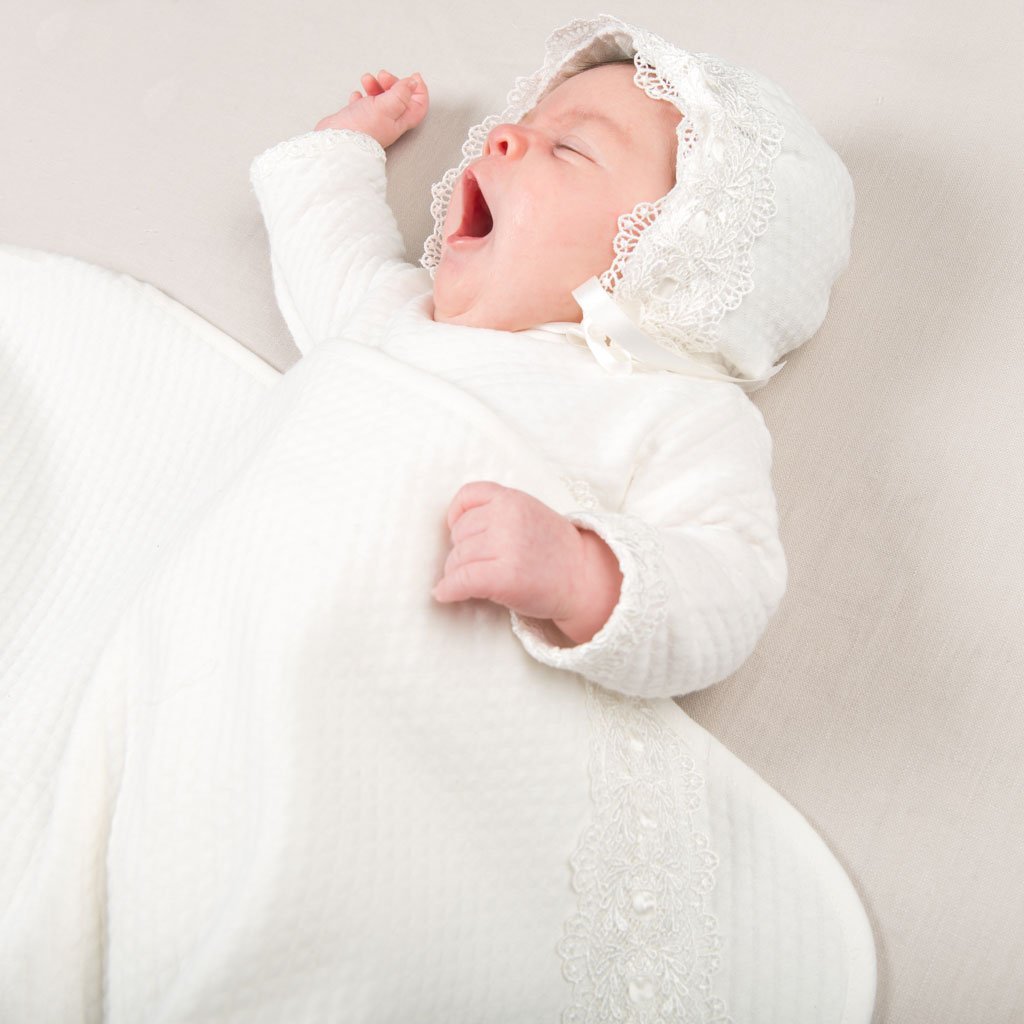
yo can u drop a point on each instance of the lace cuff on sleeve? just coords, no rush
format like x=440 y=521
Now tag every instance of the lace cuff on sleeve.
x=607 y=657
x=312 y=144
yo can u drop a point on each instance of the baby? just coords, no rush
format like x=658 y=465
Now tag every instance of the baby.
x=270 y=769
x=671 y=590
x=554 y=185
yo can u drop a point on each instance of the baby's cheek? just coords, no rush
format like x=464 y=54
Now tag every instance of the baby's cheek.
x=594 y=224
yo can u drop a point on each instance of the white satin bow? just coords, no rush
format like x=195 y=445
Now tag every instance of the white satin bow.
x=616 y=342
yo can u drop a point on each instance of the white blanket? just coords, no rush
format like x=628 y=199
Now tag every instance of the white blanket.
x=252 y=771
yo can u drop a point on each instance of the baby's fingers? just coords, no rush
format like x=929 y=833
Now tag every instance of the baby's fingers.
x=471 y=579
x=406 y=100
x=383 y=81
x=479 y=547
x=371 y=85
x=398 y=95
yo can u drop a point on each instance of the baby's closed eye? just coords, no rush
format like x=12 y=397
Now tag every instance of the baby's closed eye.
x=562 y=145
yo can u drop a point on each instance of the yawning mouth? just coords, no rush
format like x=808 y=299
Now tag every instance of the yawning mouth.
x=477 y=221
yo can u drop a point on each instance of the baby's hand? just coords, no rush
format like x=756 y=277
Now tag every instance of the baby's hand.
x=514 y=550
x=390 y=107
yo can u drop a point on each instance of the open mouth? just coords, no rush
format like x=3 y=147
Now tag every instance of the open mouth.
x=477 y=221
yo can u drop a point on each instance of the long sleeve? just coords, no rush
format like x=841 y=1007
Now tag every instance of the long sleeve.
x=697 y=543
x=333 y=237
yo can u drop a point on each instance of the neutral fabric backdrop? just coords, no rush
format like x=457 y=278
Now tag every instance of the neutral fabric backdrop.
x=885 y=699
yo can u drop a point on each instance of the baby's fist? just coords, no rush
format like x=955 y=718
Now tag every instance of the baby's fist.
x=512 y=549
x=390 y=107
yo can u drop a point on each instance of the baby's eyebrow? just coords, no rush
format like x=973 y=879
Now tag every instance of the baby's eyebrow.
x=582 y=114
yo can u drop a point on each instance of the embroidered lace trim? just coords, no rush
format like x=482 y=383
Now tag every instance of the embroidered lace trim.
x=312 y=144
x=641 y=608
x=582 y=493
x=684 y=261
x=642 y=945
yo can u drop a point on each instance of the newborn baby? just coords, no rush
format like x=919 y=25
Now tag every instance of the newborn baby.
x=270 y=775
x=553 y=186
x=665 y=577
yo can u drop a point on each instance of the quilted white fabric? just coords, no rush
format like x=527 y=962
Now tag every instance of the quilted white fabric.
x=674 y=472
x=884 y=701
x=251 y=771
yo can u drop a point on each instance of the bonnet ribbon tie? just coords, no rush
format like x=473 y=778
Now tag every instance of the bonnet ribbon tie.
x=616 y=341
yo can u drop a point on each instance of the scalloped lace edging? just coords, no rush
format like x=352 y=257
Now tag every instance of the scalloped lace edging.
x=641 y=946
x=312 y=144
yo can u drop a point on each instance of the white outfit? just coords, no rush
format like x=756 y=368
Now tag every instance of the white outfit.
x=674 y=472
x=250 y=771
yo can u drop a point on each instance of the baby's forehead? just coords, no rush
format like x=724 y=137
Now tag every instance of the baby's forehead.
x=607 y=99
x=605 y=92
x=602 y=80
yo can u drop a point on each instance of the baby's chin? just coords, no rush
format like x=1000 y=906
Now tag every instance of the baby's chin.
x=480 y=314
x=456 y=302
x=473 y=316
x=496 y=311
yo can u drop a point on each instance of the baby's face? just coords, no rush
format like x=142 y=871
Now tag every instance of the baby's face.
x=555 y=185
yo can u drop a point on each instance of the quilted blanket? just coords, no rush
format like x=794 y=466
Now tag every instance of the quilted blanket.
x=251 y=771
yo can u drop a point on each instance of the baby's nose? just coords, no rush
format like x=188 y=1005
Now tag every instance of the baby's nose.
x=506 y=140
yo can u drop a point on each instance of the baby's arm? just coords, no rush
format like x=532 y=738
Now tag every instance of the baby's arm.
x=703 y=569
x=333 y=238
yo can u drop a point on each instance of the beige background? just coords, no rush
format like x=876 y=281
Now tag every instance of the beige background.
x=885 y=700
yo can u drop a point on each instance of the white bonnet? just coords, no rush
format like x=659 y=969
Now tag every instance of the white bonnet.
x=733 y=267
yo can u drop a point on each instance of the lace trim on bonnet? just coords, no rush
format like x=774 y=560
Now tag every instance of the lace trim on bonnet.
x=683 y=262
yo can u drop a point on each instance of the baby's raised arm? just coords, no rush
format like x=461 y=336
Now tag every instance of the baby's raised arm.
x=335 y=249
